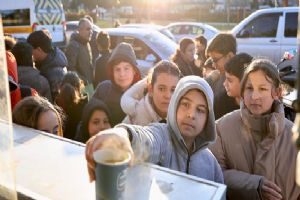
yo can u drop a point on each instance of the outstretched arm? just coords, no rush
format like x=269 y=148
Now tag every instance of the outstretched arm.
x=132 y=96
x=148 y=143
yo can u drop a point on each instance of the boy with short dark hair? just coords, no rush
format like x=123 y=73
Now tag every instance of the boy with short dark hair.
x=49 y=60
x=221 y=49
x=222 y=43
x=27 y=73
x=234 y=71
x=180 y=144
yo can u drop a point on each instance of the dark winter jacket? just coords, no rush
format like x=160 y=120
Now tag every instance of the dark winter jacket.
x=223 y=104
x=33 y=78
x=110 y=93
x=94 y=48
x=100 y=67
x=53 y=67
x=73 y=117
x=79 y=56
x=187 y=68
x=17 y=91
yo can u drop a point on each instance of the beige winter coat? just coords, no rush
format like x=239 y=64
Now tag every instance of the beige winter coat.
x=250 y=149
x=138 y=106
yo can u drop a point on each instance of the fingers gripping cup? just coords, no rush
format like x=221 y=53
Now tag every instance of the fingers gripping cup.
x=111 y=166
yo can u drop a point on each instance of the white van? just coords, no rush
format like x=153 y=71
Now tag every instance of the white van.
x=268 y=32
x=21 y=17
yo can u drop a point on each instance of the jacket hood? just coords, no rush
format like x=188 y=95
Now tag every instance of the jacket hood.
x=123 y=52
x=208 y=135
x=54 y=59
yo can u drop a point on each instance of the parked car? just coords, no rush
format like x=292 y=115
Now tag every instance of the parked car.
x=191 y=30
x=150 y=46
x=72 y=26
x=268 y=32
x=159 y=28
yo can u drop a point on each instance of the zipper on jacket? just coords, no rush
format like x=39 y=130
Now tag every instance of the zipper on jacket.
x=188 y=164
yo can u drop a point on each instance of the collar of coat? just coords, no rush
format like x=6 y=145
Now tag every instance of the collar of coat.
x=265 y=126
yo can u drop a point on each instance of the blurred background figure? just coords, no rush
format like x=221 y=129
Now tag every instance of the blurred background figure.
x=93 y=43
x=208 y=67
x=201 y=44
x=28 y=75
x=79 y=52
x=117 y=24
x=38 y=113
x=9 y=41
x=72 y=101
x=184 y=57
x=103 y=44
x=95 y=118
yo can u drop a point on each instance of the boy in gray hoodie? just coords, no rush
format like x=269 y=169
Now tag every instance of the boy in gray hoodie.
x=180 y=144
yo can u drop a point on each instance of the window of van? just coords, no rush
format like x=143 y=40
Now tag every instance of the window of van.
x=291 y=24
x=263 y=26
x=18 y=17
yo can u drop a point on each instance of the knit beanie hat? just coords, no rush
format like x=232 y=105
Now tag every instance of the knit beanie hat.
x=123 y=53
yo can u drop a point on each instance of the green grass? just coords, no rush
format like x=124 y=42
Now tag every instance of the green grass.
x=109 y=23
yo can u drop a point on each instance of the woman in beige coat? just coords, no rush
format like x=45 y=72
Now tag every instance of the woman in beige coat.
x=254 y=144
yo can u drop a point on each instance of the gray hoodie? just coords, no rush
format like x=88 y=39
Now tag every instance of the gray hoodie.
x=163 y=144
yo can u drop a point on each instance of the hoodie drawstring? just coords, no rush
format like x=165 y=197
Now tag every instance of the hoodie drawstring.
x=188 y=164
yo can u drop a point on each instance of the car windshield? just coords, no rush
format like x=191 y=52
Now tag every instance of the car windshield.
x=162 y=43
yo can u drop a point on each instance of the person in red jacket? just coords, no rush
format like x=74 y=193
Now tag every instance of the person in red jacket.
x=17 y=91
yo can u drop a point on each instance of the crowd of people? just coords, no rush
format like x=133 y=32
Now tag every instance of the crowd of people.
x=206 y=111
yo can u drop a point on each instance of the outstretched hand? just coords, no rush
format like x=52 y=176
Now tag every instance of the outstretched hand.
x=115 y=138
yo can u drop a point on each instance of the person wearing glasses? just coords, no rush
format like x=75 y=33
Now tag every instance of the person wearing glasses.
x=220 y=50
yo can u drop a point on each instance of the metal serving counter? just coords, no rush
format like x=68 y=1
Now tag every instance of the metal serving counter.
x=49 y=167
